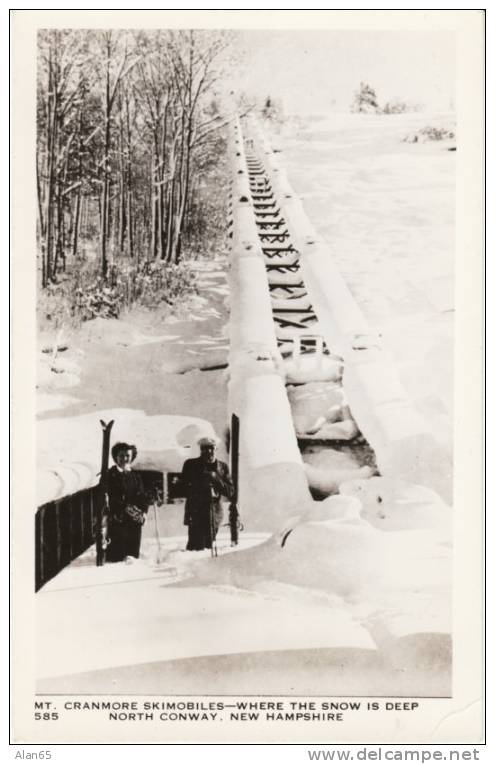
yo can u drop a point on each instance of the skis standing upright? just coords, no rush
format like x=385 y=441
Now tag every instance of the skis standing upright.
x=103 y=505
x=234 y=467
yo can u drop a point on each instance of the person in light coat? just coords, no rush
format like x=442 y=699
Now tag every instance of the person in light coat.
x=205 y=480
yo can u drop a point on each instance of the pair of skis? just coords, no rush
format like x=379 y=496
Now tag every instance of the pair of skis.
x=102 y=512
x=234 y=522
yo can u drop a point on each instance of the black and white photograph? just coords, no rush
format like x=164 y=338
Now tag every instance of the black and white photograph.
x=249 y=402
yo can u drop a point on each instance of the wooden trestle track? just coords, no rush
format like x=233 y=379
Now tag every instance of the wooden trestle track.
x=296 y=323
x=291 y=309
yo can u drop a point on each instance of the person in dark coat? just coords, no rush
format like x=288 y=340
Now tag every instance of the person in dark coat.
x=205 y=480
x=128 y=505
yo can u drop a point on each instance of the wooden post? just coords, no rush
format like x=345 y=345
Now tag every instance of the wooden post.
x=234 y=468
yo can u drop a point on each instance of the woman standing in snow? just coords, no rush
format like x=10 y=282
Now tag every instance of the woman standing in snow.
x=205 y=481
x=128 y=505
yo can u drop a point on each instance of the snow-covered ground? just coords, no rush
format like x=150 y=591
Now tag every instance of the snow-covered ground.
x=351 y=596
x=344 y=607
x=145 y=371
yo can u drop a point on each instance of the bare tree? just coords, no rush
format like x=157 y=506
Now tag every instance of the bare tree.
x=127 y=125
x=117 y=61
x=59 y=92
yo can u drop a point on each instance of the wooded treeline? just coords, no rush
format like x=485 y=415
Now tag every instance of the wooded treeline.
x=127 y=129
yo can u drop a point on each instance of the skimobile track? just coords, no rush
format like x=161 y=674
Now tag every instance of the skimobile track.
x=318 y=398
x=322 y=416
x=303 y=358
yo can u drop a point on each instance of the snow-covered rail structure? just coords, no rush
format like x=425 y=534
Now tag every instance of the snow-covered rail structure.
x=301 y=350
x=256 y=388
x=318 y=398
x=345 y=596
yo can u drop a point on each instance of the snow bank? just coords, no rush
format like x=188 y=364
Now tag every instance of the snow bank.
x=404 y=446
x=327 y=481
x=314 y=403
x=386 y=577
x=312 y=368
x=357 y=586
x=341 y=508
x=392 y=504
x=160 y=619
x=163 y=443
x=50 y=402
x=393 y=574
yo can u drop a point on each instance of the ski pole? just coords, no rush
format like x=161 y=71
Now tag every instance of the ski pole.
x=214 y=552
x=157 y=533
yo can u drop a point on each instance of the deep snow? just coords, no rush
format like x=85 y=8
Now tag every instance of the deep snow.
x=143 y=370
x=386 y=209
x=341 y=608
x=356 y=601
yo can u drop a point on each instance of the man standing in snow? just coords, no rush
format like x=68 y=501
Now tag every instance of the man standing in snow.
x=205 y=480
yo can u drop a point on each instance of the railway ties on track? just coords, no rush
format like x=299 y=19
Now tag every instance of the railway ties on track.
x=293 y=314
x=261 y=196
x=264 y=205
x=273 y=232
x=283 y=267
x=290 y=256
x=275 y=214
x=265 y=225
x=273 y=238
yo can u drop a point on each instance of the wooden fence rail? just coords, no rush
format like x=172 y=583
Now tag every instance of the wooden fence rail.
x=64 y=528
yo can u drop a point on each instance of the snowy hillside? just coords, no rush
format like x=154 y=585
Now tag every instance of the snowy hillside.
x=349 y=595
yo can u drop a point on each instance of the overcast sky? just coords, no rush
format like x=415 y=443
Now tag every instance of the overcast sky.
x=309 y=70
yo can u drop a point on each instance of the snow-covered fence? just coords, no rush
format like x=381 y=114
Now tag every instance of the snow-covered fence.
x=63 y=531
x=402 y=441
x=64 y=528
x=68 y=473
x=272 y=481
x=69 y=457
